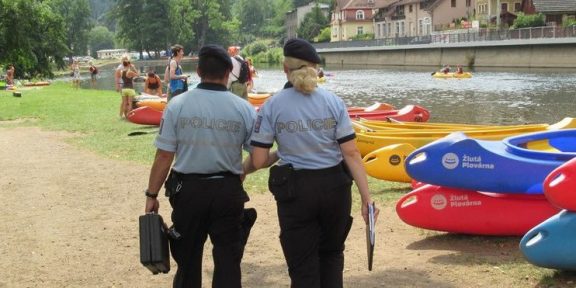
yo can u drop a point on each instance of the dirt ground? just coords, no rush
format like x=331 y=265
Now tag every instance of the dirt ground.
x=69 y=218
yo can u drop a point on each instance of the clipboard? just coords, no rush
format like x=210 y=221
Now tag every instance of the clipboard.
x=370 y=235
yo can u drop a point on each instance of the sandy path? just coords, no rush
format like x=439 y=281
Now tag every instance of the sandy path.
x=69 y=219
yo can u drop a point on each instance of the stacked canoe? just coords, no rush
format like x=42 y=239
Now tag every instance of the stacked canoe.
x=460 y=170
x=149 y=111
x=552 y=243
x=385 y=146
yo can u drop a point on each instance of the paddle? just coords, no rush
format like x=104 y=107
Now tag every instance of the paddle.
x=136 y=133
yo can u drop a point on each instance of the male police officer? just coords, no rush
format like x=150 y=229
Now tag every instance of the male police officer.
x=205 y=131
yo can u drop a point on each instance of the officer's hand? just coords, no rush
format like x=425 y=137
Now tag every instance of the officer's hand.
x=242 y=177
x=365 y=213
x=152 y=205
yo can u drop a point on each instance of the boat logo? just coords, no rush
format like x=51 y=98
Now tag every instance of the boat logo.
x=395 y=160
x=438 y=202
x=450 y=161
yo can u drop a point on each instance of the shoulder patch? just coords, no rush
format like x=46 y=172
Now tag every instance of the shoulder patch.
x=257 y=124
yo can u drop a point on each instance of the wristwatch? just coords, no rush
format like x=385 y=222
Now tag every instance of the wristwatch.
x=150 y=195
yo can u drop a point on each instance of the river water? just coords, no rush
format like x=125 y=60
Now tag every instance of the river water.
x=512 y=96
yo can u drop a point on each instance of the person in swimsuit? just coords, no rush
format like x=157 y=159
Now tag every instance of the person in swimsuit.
x=153 y=83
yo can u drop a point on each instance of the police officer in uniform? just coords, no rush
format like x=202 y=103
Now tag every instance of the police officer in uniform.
x=312 y=181
x=206 y=132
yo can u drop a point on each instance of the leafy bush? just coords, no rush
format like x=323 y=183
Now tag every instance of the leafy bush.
x=324 y=35
x=524 y=21
x=271 y=56
x=569 y=22
x=256 y=47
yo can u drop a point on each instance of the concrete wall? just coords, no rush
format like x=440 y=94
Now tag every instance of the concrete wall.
x=528 y=56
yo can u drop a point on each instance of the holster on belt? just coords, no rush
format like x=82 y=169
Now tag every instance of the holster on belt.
x=281 y=183
x=173 y=184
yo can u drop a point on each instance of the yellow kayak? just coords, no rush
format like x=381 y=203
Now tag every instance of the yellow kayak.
x=258 y=98
x=157 y=104
x=451 y=75
x=387 y=162
x=378 y=125
x=370 y=141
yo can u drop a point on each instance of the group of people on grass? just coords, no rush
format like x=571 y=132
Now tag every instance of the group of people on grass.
x=175 y=79
x=199 y=162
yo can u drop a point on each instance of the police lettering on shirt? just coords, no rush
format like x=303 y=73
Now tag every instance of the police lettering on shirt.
x=305 y=125
x=205 y=123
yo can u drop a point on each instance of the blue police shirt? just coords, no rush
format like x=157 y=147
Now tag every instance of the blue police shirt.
x=308 y=128
x=207 y=127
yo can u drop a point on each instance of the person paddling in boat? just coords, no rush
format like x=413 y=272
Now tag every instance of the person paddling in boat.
x=445 y=69
x=459 y=69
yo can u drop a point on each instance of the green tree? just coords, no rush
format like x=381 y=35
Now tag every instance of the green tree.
x=101 y=38
x=33 y=37
x=156 y=31
x=312 y=24
x=252 y=15
x=275 y=27
x=143 y=25
x=129 y=15
x=76 y=15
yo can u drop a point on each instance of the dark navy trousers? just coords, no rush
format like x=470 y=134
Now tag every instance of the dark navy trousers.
x=314 y=227
x=208 y=207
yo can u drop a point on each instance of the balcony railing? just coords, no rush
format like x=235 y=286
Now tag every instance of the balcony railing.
x=471 y=35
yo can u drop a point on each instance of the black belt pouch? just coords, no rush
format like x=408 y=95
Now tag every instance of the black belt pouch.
x=281 y=183
x=154 y=252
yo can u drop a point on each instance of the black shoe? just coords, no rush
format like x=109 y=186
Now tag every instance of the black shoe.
x=250 y=216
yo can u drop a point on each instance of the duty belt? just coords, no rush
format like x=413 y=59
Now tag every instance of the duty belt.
x=190 y=176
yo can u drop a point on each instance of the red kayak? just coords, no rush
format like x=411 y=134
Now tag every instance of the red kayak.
x=410 y=113
x=560 y=186
x=470 y=212
x=145 y=115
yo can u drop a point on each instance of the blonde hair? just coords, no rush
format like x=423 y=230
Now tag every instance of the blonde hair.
x=302 y=74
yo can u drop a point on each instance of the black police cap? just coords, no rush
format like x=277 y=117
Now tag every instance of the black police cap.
x=301 y=49
x=217 y=52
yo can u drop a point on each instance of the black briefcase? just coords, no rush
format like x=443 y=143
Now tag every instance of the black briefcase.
x=154 y=252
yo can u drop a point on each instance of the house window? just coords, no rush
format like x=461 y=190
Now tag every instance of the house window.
x=504 y=7
x=468 y=3
x=517 y=7
x=360 y=30
x=359 y=15
x=402 y=30
x=410 y=8
x=420 y=27
x=453 y=3
x=397 y=29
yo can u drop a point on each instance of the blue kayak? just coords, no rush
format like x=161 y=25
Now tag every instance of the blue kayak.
x=514 y=165
x=552 y=243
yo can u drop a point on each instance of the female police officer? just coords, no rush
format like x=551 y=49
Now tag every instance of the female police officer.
x=312 y=183
x=205 y=132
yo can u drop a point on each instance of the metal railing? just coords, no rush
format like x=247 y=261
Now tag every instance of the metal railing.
x=459 y=36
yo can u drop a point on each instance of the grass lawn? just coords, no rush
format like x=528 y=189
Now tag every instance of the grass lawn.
x=93 y=116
